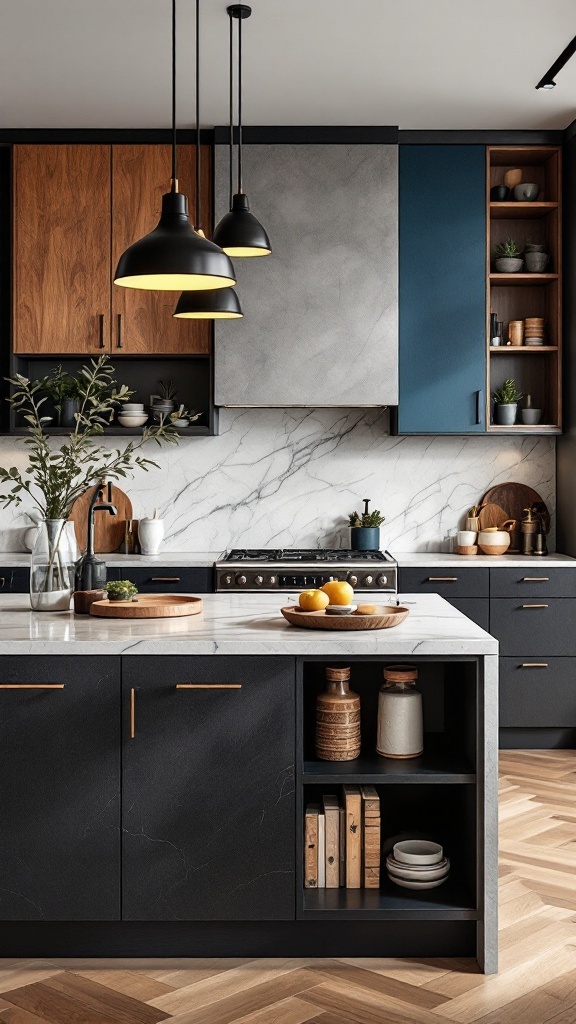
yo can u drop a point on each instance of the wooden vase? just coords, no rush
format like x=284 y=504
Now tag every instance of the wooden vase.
x=338 y=718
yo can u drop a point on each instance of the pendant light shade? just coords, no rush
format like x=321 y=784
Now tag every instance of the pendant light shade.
x=174 y=256
x=220 y=304
x=239 y=233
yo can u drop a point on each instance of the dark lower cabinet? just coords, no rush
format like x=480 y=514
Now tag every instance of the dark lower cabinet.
x=167 y=579
x=59 y=789
x=208 y=788
x=476 y=608
x=531 y=627
x=537 y=693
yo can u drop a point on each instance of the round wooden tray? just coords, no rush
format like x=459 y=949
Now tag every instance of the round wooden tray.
x=386 y=616
x=148 y=606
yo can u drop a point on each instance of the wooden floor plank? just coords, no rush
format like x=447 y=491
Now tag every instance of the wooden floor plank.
x=131 y=982
x=54 y=1006
x=257 y=997
x=121 y=1007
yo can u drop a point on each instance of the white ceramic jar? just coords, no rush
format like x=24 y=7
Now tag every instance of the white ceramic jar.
x=493 y=542
x=400 y=719
x=150 y=535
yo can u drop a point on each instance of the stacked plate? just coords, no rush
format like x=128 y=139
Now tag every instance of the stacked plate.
x=417 y=864
x=534 y=330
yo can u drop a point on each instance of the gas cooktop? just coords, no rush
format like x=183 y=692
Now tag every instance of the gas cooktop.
x=252 y=569
x=304 y=555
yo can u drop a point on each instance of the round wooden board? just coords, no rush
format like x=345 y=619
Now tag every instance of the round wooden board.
x=108 y=530
x=385 y=617
x=514 y=498
x=148 y=606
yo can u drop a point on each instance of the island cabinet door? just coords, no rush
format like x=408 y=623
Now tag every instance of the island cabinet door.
x=59 y=788
x=208 y=788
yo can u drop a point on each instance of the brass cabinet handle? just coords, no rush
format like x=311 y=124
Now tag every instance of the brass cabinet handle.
x=535 y=579
x=534 y=664
x=31 y=686
x=132 y=713
x=165 y=579
x=208 y=686
x=119 y=342
x=534 y=605
x=101 y=325
x=442 y=579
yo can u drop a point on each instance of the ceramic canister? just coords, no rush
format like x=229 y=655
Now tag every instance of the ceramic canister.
x=400 y=718
x=337 y=718
x=150 y=535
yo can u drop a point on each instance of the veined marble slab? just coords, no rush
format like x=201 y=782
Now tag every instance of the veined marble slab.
x=171 y=559
x=434 y=559
x=238 y=624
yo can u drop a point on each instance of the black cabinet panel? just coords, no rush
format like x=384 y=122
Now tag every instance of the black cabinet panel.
x=14 y=580
x=446 y=582
x=59 y=789
x=533 y=627
x=167 y=579
x=476 y=608
x=539 y=581
x=537 y=693
x=208 y=792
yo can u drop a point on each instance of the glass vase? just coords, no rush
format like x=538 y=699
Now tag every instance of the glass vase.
x=52 y=568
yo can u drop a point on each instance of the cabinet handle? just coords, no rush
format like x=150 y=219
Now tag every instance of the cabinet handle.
x=119 y=342
x=208 y=686
x=31 y=686
x=165 y=579
x=101 y=325
x=479 y=406
x=534 y=605
x=442 y=579
x=535 y=579
x=132 y=713
x=2 y=581
x=534 y=664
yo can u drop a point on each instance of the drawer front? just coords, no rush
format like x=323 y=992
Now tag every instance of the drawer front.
x=167 y=579
x=533 y=582
x=476 y=608
x=533 y=627
x=14 y=581
x=537 y=692
x=446 y=582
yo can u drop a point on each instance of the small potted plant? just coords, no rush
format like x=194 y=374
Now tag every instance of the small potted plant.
x=506 y=401
x=65 y=392
x=365 y=529
x=508 y=257
x=164 y=403
x=121 y=590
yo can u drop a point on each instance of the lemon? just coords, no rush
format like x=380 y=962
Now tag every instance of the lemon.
x=339 y=592
x=313 y=600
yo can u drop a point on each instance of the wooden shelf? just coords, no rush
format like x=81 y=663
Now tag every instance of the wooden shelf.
x=517 y=349
x=113 y=431
x=521 y=211
x=523 y=428
x=439 y=764
x=522 y=279
x=449 y=902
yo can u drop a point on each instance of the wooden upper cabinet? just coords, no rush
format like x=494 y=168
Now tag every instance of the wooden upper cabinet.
x=142 y=321
x=61 y=277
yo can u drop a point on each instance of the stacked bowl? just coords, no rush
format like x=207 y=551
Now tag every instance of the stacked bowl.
x=534 y=330
x=132 y=414
x=417 y=864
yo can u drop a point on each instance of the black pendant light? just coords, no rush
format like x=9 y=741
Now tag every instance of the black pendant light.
x=214 y=304
x=174 y=256
x=239 y=233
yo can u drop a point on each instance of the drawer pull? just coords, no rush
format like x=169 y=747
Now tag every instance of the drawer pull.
x=442 y=579
x=2 y=581
x=132 y=713
x=165 y=579
x=534 y=605
x=534 y=664
x=31 y=686
x=208 y=686
x=535 y=579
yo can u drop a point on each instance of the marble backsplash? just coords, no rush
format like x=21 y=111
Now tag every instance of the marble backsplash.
x=289 y=477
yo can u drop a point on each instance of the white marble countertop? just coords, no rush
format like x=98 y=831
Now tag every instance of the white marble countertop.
x=238 y=624
x=182 y=559
x=432 y=559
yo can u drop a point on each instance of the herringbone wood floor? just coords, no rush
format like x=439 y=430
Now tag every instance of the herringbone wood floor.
x=536 y=983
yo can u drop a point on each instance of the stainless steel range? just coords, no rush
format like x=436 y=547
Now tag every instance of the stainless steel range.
x=299 y=568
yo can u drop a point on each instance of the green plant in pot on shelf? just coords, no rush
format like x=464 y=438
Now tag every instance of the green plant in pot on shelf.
x=365 y=528
x=121 y=590
x=64 y=391
x=506 y=400
x=164 y=402
x=59 y=470
x=508 y=257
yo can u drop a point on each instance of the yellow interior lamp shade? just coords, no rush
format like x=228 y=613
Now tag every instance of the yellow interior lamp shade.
x=216 y=304
x=239 y=233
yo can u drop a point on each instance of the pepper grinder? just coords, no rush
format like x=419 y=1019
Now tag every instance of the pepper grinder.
x=528 y=528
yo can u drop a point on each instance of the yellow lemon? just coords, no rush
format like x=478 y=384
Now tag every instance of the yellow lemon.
x=313 y=600
x=339 y=592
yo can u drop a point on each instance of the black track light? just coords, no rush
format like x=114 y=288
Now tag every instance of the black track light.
x=547 y=82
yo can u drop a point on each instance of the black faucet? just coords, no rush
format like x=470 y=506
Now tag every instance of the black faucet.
x=91 y=571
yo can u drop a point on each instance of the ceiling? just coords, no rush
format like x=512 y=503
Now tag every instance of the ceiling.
x=457 y=64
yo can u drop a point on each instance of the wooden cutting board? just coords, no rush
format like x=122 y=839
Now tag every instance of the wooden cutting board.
x=514 y=498
x=108 y=530
x=148 y=606
x=491 y=514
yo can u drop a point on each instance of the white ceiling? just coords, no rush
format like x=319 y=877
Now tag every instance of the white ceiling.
x=414 y=63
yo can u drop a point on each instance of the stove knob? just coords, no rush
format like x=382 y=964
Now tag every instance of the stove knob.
x=228 y=579
x=259 y=580
x=368 y=581
x=352 y=579
x=381 y=581
x=241 y=580
x=272 y=581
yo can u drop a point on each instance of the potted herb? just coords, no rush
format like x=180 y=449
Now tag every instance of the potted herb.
x=506 y=400
x=63 y=389
x=508 y=258
x=121 y=590
x=58 y=473
x=365 y=529
x=164 y=402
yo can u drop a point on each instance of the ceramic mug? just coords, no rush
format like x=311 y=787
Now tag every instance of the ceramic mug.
x=466 y=538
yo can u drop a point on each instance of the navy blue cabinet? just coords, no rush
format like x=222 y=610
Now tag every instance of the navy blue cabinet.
x=442 y=289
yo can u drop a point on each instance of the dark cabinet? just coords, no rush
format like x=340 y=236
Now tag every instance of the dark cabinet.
x=208 y=788
x=442 y=297
x=476 y=608
x=59 y=789
x=447 y=582
x=167 y=579
x=537 y=693
x=14 y=580
x=534 y=627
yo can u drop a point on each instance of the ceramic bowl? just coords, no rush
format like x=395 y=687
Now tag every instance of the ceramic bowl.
x=133 y=407
x=531 y=416
x=536 y=262
x=180 y=423
x=508 y=264
x=493 y=542
x=418 y=851
x=422 y=886
x=133 y=421
x=421 y=873
x=526 y=192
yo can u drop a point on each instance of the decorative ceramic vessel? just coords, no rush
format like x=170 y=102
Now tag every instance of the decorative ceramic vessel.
x=536 y=262
x=530 y=417
x=499 y=193
x=493 y=542
x=52 y=567
x=365 y=538
x=506 y=414
x=67 y=418
x=508 y=264
x=338 y=718
x=133 y=419
x=526 y=192
x=150 y=535
x=400 y=732
x=418 y=851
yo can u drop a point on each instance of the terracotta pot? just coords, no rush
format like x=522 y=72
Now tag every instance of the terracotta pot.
x=338 y=718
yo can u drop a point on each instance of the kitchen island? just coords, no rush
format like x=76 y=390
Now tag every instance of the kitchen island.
x=155 y=775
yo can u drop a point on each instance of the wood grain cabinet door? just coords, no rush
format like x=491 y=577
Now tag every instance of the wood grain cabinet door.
x=208 y=788
x=59 y=788
x=142 y=321
x=61 y=203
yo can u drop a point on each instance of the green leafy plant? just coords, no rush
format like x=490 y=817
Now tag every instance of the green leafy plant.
x=508 y=248
x=507 y=394
x=121 y=589
x=56 y=477
x=60 y=385
x=167 y=390
x=368 y=519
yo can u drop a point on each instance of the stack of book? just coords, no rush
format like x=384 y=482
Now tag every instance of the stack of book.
x=342 y=840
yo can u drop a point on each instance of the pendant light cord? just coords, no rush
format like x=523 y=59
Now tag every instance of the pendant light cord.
x=198 y=166
x=240 y=189
x=231 y=114
x=174 y=184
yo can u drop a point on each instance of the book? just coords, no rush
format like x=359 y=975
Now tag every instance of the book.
x=332 y=815
x=370 y=837
x=353 y=808
x=342 y=846
x=321 y=851
x=311 y=847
